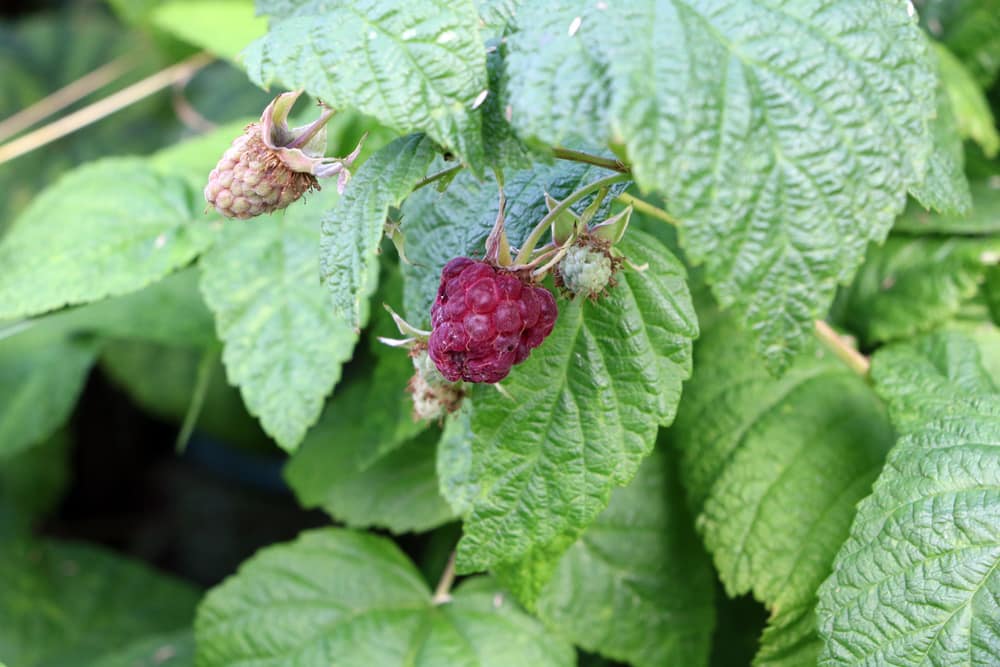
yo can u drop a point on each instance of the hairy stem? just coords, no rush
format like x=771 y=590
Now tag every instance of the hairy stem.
x=580 y=156
x=438 y=176
x=529 y=243
x=644 y=206
x=836 y=343
x=442 y=593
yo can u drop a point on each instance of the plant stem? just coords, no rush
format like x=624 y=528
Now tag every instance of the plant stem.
x=103 y=108
x=529 y=243
x=438 y=176
x=856 y=361
x=644 y=206
x=580 y=156
x=442 y=593
x=203 y=378
x=63 y=97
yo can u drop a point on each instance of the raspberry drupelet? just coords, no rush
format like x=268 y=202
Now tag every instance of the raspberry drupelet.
x=485 y=320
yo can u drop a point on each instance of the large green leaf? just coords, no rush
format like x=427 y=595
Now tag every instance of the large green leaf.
x=352 y=228
x=65 y=605
x=914 y=284
x=362 y=464
x=984 y=218
x=417 y=67
x=340 y=597
x=107 y=228
x=762 y=123
x=790 y=639
x=283 y=346
x=198 y=23
x=32 y=483
x=41 y=376
x=637 y=585
x=753 y=448
x=441 y=226
x=582 y=411
x=173 y=649
x=918 y=580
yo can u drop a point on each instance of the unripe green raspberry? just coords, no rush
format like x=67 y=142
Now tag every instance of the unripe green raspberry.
x=587 y=268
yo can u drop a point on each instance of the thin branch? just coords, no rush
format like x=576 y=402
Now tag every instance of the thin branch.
x=203 y=378
x=442 y=593
x=836 y=343
x=580 y=156
x=103 y=108
x=63 y=97
x=529 y=243
x=644 y=206
x=438 y=176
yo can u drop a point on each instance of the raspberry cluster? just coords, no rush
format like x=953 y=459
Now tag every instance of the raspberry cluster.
x=485 y=320
x=251 y=179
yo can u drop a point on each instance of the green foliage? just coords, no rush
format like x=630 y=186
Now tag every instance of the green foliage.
x=416 y=68
x=915 y=284
x=41 y=377
x=752 y=451
x=969 y=105
x=984 y=218
x=352 y=228
x=66 y=604
x=636 y=586
x=131 y=226
x=916 y=582
x=197 y=22
x=582 y=412
x=282 y=345
x=340 y=596
x=764 y=153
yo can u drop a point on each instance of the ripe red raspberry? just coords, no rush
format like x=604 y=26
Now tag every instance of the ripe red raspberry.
x=485 y=320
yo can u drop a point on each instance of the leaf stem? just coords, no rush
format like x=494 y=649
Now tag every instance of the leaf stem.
x=580 y=156
x=836 y=343
x=442 y=593
x=438 y=176
x=203 y=378
x=529 y=243
x=644 y=206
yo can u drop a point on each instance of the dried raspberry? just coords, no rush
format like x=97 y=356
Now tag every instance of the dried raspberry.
x=433 y=396
x=485 y=320
x=271 y=165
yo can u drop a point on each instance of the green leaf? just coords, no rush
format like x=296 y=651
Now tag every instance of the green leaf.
x=193 y=159
x=32 y=483
x=171 y=312
x=991 y=290
x=283 y=347
x=440 y=226
x=108 y=228
x=583 y=413
x=340 y=597
x=914 y=284
x=970 y=29
x=416 y=68
x=752 y=450
x=637 y=586
x=760 y=122
x=945 y=187
x=352 y=228
x=41 y=377
x=173 y=649
x=67 y=604
x=790 y=640
x=198 y=21
x=984 y=218
x=917 y=581
x=970 y=107
x=398 y=490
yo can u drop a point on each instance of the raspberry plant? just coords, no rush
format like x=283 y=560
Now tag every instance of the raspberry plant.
x=631 y=308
